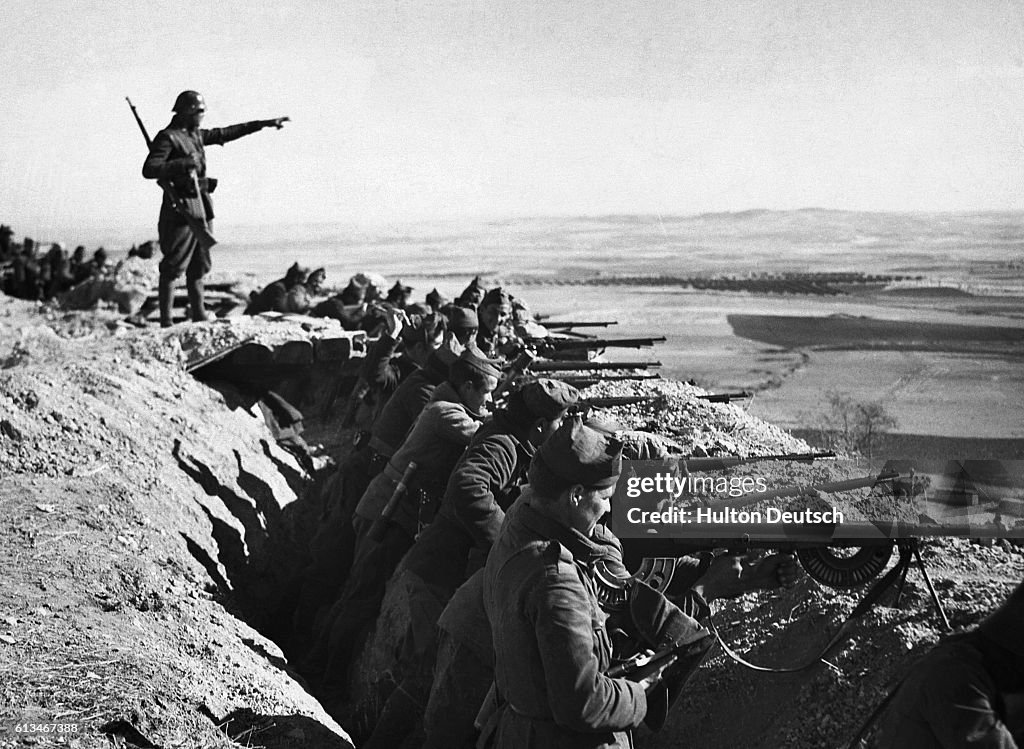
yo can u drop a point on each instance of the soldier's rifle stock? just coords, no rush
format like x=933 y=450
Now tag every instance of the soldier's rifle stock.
x=198 y=225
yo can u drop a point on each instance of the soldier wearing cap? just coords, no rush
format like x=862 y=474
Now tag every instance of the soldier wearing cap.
x=398 y=295
x=482 y=486
x=274 y=296
x=177 y=152
x=345 y=306
x=495 y=316
x=463 y=323
x=436 y=300
x=967 y=692
x=472 y=294
x=436 y=441
x=403 y=346
x=551 y=646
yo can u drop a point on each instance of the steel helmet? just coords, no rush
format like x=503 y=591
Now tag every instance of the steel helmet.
x=188 y=102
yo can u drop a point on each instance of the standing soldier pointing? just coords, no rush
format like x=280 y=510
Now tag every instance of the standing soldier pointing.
x=177 y=157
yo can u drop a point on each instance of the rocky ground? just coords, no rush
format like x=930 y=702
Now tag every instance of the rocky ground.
x=149 y=535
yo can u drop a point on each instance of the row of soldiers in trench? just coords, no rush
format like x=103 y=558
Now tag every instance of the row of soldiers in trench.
x=475 y=525
x=491 y=317
x=29 y=272
x=461 y=586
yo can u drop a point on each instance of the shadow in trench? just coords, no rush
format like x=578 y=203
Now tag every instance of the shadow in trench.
x=295 y=479
x=249 y=728
x=199 y=554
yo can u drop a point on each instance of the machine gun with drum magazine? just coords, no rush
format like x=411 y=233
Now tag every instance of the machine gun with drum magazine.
x=836 y=555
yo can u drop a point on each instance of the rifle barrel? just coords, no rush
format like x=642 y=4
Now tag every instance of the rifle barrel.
x=584 y=324
x=617 y=400
x=562 y=344
x=725 y=397
x=729 y=461
x=753 y=498
x=583 y=366
x=579 y=380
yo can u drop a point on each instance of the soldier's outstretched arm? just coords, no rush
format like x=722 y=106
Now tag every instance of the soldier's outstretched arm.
x=218 y=136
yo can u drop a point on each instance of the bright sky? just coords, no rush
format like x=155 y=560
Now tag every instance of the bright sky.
x=412 y=109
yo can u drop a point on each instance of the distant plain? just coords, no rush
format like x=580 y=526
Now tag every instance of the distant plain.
x=957 y=270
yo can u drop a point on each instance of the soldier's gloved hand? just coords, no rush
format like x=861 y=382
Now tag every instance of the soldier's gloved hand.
x=277 y=122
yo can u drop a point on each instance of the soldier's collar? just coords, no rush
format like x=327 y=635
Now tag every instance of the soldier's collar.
x=583 y=550
x=504 y=423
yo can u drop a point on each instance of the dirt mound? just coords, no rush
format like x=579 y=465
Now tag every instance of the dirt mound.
x=150 y=537
x=148 y=531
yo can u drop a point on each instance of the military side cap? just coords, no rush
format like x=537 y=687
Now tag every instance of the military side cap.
x=576 y=454
x=496 y=296
x=474 y=287
x=474 y=358
x=436 y=299
x=353 y=293
x=1005 y=626
x=462 y=318
x=548 y=398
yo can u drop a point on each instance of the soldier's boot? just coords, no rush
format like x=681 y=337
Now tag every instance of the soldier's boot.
x=165 y=295
x=195 y=299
